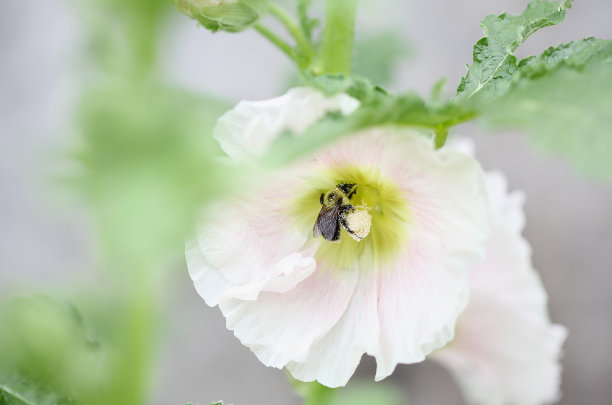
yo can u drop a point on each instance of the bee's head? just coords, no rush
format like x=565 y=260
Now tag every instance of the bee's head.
x=346 y=188
x=332 y=197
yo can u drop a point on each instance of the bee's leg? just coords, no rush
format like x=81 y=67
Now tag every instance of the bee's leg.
x=322 y=198
x=336 y=236
x=352 y=193
x=344 y=210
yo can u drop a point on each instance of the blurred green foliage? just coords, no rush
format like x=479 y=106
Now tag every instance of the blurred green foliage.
x=147 y=166
x=50 y=355
x=357 y=392
x=93 y=348
x=566 y=111
x=123 y=35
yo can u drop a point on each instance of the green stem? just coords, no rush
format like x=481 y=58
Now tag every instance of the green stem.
x=282 y=45
x=320 y=396
x=294 y=29
x=337 y=47
x=135 y=349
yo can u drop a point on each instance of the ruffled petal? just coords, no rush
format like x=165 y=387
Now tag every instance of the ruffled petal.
x=282 y=277
x=246 y=239
x=506 y=350
x=281 y=328
x=246 y=131
x=333 y=359
x=208 y=281
x=419 y=302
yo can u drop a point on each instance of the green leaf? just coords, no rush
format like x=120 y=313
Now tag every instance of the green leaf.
x=355 y=86
x=565 y=110
x=230 y=16
x=575 y=55
x=47 y=355
x=562 y=98
x=494 y=61
x=436 y=91
x=377 y=109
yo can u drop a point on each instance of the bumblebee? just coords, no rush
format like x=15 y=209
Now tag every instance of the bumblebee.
x=337 y=212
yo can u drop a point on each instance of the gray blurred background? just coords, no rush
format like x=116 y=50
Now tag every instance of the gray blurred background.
x=45 y=236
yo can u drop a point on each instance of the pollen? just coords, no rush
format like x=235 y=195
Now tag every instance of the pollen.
x=359 y=222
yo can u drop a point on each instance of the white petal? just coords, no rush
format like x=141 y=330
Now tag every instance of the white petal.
x=282 y=277
x=208 y=281
x=247 y=245
x=281 y=328
x=248 y=129
x=420 y=300
x=249 y=239
x=333 y=359
x=506 y=350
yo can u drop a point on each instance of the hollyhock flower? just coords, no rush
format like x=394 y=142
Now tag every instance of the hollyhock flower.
x=385 y=274
x=506 y=350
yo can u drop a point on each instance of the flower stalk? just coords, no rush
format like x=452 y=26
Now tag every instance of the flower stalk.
x=303 y=44
x=337 y=45
x=276 y=40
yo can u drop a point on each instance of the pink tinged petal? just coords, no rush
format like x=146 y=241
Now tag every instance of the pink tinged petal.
x=281 y=328
x=506 y=350
x=250 y=246
x=246 y=241
x=332 y=360
x=500 y=357
x=446 y=194
x=420 y=299
x=248 y=129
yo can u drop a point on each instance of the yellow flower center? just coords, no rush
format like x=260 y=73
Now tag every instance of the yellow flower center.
x=378 y=221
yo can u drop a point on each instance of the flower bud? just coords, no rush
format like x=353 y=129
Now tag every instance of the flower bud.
x=224 y=15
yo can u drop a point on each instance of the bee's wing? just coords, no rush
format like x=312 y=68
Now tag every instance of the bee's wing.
x=327 y=223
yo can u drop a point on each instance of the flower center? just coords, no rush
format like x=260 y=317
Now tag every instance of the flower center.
x=338 y=213
x=361 y=217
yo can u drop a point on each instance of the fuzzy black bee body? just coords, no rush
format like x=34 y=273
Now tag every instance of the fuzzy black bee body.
x=335 y=205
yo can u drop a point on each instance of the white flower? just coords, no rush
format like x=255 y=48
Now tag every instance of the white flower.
x=506 y=350
x=392 y=289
